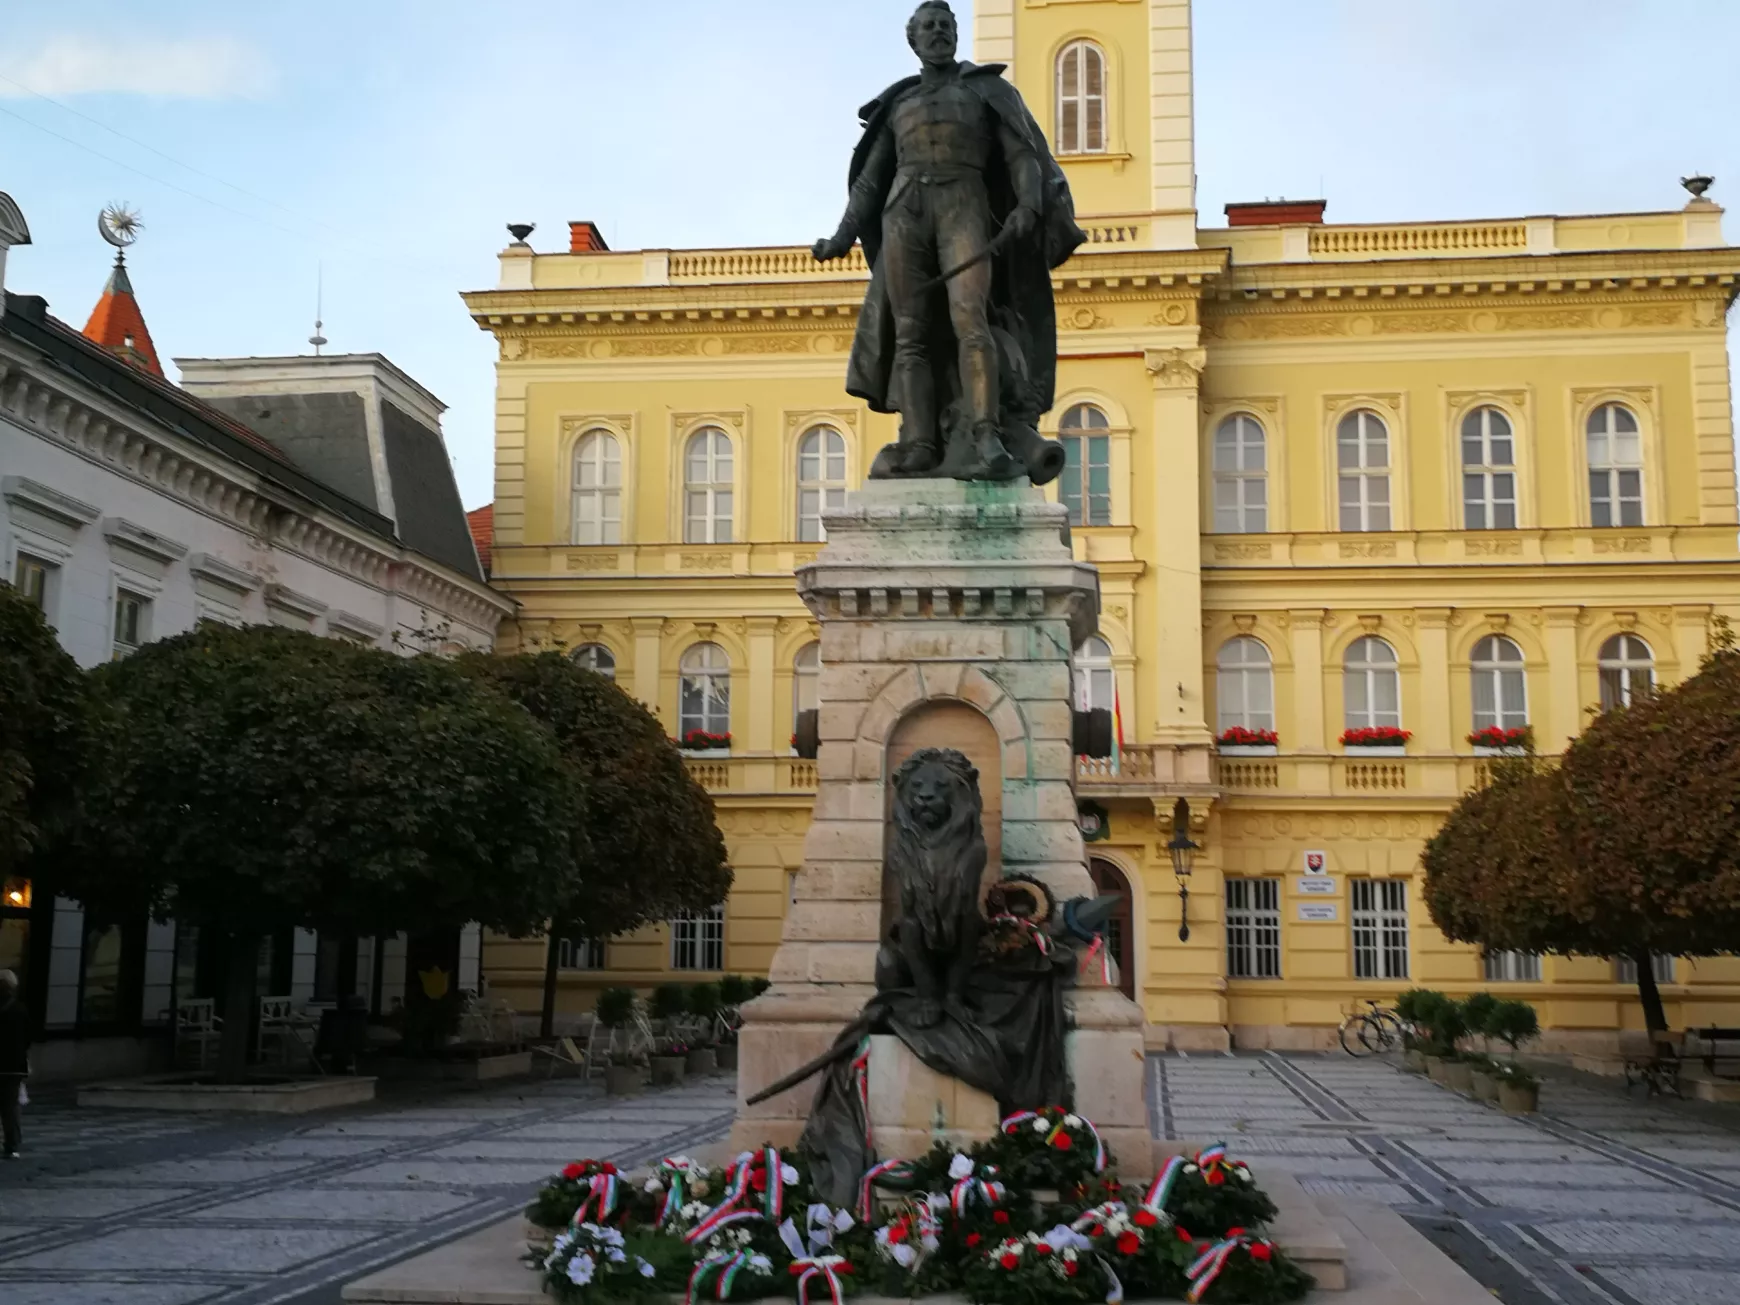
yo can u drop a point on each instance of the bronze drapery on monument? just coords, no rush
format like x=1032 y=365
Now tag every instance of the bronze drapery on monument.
x=963 y=214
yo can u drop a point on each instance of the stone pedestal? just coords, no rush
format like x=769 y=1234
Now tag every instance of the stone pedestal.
x=949 y=612
x=912 y=1106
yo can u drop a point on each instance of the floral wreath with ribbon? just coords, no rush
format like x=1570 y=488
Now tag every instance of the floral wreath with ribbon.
x=1207 y=1268
x=1051 y=1261
x=675 y=1184
x=754 y=1189
x=1057 y=1129
x=588 y=1254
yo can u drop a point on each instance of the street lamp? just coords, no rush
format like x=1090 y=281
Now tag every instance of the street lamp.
x=1183 y=852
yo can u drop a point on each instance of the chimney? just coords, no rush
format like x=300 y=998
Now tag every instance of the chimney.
x=13 y=231
x=1277 y=213
x=586 y=238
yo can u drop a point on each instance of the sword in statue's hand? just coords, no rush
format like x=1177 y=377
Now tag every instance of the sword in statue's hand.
x=1013 y=226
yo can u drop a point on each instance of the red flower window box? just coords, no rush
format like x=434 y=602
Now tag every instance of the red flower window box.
x=702 y=741
x=1495 y=739
x=1379 y=736
x=1238 y=736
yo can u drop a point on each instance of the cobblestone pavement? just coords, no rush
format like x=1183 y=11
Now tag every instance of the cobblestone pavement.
x=1600 y=1199
x=136 y=1208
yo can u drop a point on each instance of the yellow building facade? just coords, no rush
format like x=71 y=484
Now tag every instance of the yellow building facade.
x=1428 y=477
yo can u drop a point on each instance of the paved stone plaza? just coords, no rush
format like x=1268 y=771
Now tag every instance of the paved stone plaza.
x=1599 y=1199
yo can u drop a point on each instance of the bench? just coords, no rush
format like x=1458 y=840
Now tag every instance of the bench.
x=1712 y=1037
x=1658 y=1070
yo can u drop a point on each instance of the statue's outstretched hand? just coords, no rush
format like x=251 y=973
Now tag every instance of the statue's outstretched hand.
x=1021 y=222
x=828 y=248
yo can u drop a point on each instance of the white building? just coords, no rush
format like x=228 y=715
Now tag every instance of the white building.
x=312 y=492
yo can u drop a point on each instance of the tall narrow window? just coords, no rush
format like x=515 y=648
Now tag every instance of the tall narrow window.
x=1085 y=487
x=821 y=479
x=1627 y=669
x=707 y=487
x=1488 y=471
x=1081 y=99
x=1512 y=967
x=704 y=690
x=1372 y=685
x=597 y=500
x=1615 y=467
x=1362 y=457
x=132 y=623
x=1625 y=968
x=30 y=577
x=1245 y=685
x=580 y=953
x=1241 y=476
x=806 y=679
x=1501 y=697
x=1094 y=683
x=1380 y=928
x=1253 y=928
x=595 y=657
x=698 y=941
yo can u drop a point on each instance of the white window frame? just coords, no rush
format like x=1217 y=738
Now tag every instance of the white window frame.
x=1619 y=667
x=1506 y=684
x=704 y=679
x=596 y=488
x=49 y=572
x=1380 y=928
x=580 y=954
x=1244 y=662
x=140 y=634
x=1511 y=967
x=1253 y=928
x=595 y=657
x=822 y=480
x=1608 y=467
x=709 y=499
x=697 y=939
x=1363 y=467
x=1246 y=487
x=1493 y=503
x=1079 y=57
x=806 y=678
x=1625 y=969
x=1363 y=668
x=1094 y=677
x=1085 y=432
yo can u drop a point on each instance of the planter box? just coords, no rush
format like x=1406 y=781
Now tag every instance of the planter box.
x=482 y=1070
x=1458 y=1076
x=1376 y=749
x=1414 y=1060
x=185 y=1092
x=1248 y=749
x=1485 y=1085
x=727 y=1055
x=702 y=1060
x=1435 y=1068
x=701 y=753
x=1481 y=750
x=1514 y=1099
x=667 y=1071
x=621 y=1080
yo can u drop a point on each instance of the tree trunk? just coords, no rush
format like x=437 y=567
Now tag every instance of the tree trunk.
x=552 y=953
x=240 y=964
x=1654 y=1017
x=345 y=981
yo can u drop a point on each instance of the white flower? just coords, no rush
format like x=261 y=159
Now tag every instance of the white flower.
x=788 y=1175
x=1040 y=1126
x=654 y=1186
x=929 y=1242
x=1069 y=1254
x=760 y=1263
x=842 y=1220
x=1245 y=1176
x=960 y=1167
x=646 y=1270
x=1074 y=1121
x=610 y=1236
x=617 y=1256
x=580 y=1269
x=1189 y=1169
x=937 y=1200
x=563 y=1241
x=904 y=1256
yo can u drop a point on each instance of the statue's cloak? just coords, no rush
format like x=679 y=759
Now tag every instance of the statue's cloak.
x=1021 y=301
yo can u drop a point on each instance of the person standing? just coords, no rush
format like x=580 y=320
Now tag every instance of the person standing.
x=14 y=1059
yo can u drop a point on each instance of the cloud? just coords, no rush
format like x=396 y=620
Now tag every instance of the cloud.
x=187 y=68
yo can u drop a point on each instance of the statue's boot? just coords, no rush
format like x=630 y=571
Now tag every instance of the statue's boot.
x=981 y=456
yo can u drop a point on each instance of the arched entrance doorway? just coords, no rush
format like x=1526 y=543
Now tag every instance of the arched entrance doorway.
x=1120 y=928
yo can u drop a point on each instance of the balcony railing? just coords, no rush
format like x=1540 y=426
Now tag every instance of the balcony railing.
x=753 y=774
x=1403 y=241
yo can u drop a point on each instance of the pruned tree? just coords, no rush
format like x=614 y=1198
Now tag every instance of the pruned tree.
x=44 y=729
x=654 y=850
x=253 y=779
x=1630 y=848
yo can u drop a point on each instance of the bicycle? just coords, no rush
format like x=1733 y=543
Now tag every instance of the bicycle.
x=1373 y=1031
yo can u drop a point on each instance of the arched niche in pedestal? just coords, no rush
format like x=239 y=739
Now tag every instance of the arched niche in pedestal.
x=946 y=724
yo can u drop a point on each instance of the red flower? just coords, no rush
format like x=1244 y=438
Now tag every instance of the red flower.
x=758 y=1180
x=1235 y=1232
x=1128 y=1243
x=608 y=1168
x=1262 y=1251
x=1184 y=1235
x=573 y=1170
x=973 y=1239
x=898 y=1232
x=797 y=1270
x=1214 y=1178
x=1044 y=1248
x=1070 y=1267
x=1062 y=1142
x=1145 y=1218
x=1009 y=1259
x=999 y=1216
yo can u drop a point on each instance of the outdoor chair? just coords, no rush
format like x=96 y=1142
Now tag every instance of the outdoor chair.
x=1657 y=1071
x=283 y=1029
x=197 y=1025
x=564 y=1052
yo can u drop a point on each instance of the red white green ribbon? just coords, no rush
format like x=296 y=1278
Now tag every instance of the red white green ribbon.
x=1114 y=1288
x=1160 y=1190
x=676 y=1174
x=866 y=1208
x=606 y=1190
x=1093 y=1222
x=1207 y=1266
x=1097 y=948
x=1213 y=1163
x=727 y=1211
x=827 y=1268
x=726 y=1266
x=1022 y=924
x=773 y=1200
x=988 y=1192
x=1014 y=1121
x=861 y=1080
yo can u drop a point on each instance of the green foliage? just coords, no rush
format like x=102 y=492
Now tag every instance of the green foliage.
x=652 y=849
x=44 y=729
x=1447 y=1026
x=735 y=989
x=669 y=1001
x=1477 y=1012
x=253 y=779
x=759 y=985
x=1414 y=1004
x=615 y=1007
x=703 y=1000
x=1513 y=1023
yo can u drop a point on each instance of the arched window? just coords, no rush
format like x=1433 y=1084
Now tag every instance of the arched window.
x=1095 y=685
x=1241 y=476
x=1362 y=456
x=704 y=691
x=1615 y=467
x=707 y=478
x=1488 y=471
x=596 y=515
x=806 y=678
x=1627 y=669
x=1501 y=695
x=1245 y=685
x=595 y=657
x=1081 y=99
x=1372 y=685
x=1085 y=487
x=821 y=479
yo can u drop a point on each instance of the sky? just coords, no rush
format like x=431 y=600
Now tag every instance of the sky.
x=376 y=148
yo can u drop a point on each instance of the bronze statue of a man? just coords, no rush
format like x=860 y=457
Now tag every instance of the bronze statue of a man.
x=963 y=213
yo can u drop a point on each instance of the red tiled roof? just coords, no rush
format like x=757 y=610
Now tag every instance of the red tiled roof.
x=118 y=326
x=482 y=523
